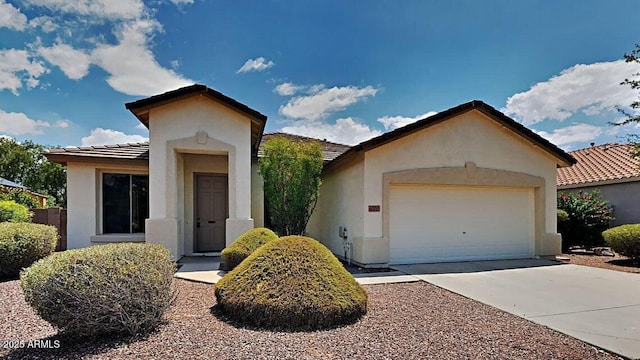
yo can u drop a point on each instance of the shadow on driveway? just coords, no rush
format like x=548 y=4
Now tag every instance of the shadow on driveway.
x=473 y=266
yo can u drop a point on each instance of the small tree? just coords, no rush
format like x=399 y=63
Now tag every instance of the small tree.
x=291 y=173
x=632 y=113
x=588 y=216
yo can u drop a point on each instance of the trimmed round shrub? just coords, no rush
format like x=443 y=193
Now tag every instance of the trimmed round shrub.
x=21 y=244
x=624 y=239
x=11 y=211
x=293 y=283
x=104 y=289
x=244 y=245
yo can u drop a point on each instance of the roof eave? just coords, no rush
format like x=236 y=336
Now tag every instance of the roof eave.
x=563 y=158
x=140 y=108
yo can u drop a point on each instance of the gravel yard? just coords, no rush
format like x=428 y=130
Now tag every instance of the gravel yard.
x=618 y=263
x=405 y=321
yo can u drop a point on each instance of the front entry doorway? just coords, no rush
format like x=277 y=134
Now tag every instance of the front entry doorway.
x=212 y=211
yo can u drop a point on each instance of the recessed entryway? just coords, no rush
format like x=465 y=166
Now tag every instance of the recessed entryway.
x=211 y=211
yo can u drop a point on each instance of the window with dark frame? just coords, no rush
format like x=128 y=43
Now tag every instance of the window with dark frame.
x=125 y=203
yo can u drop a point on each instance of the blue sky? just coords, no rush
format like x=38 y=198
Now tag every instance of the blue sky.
x=338 y=70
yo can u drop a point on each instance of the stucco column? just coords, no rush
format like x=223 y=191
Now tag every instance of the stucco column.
x=239 y=220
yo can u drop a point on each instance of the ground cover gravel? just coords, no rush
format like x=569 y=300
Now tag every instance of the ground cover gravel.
x=618 y=262
x=404 y=321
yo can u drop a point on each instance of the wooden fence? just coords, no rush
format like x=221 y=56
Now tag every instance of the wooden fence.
x=56 y=217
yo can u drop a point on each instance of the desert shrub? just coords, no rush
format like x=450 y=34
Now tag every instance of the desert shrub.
x=588 y=215
x=246 y=244
x=624 y=239
x=21 y=196
x=105 y=289
x=21 y=244
x=562 y=216
x=11 y=211
x=293 y=283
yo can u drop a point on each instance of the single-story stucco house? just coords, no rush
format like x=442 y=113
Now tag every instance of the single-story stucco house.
x=613 y=170
x=468 y=183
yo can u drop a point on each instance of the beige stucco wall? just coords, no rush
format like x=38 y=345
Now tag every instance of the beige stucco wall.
x=469 y=138
x=84 y=225
x=470 y=146
x=195 y=125
x=624 y=197
x=341 y=203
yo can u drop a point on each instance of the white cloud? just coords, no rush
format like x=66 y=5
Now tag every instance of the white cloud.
x=323 y=102
x=11 y=17
x=141 y=127
x=16 y=67
x=394 y=122
x=182 y=2
x=344 y=131
x=74 y=63
x=102 y=136
x=45 y=23
x=288 y=89
x=575 y=133
x=13 y=123
x=104 y=9
x=257 y=64
x=140 y=74
x=62 y=124
x=591 y=88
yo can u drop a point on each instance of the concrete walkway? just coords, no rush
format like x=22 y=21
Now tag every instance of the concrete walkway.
x=206 y=269
x=597 y=306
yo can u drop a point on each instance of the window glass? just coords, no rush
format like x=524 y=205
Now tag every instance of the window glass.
x=115 y=203
x=139 y=202
x=125 y=203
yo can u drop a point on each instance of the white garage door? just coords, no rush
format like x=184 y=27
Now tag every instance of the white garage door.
x=442 y=223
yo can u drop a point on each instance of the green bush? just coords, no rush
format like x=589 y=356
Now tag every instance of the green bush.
x=246 y=244
x=588 y=216
x=624 y=239
x=562 y=216
x=293 y=283
x=21 y=196
x=21 y=244
x=105 y=289
x=11 y=211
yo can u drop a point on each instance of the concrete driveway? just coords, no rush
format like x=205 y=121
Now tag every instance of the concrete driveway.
x=598 y=306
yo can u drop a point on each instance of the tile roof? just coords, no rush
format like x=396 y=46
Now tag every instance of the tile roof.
x=605 y=162
x=9 y=183
x=140 y=151
x=130 y=151
x=330 y=150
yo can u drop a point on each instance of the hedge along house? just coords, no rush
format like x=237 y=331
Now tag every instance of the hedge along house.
x=467 y=183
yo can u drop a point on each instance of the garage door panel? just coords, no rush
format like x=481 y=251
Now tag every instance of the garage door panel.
x=436 y=223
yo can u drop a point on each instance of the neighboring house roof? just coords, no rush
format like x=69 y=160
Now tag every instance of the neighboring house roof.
x=563 y=158
x=330 y=150
x=603 y=163
x=9 y=183
x=140 y=108
x=128 y=152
